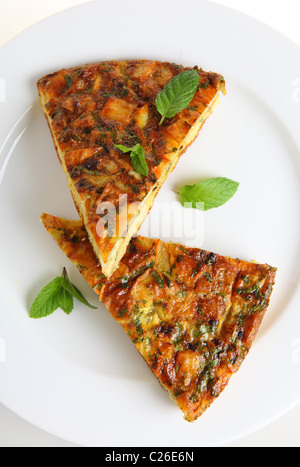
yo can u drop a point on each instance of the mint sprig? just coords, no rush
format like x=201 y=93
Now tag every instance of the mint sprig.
x=65 y=300
x=209 y=194
x=59 y=293
x=177 y=94
x=137 y=155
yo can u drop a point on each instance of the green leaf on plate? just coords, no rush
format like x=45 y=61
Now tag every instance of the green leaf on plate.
x=47 y=300
x=74 y=291
x=59 y=293
x=65 y=300
x=209 y=194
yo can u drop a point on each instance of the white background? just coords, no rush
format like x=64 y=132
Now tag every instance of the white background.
x=18 y=15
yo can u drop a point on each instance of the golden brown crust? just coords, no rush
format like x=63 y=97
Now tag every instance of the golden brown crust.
x=192 y=314
x=91 y=108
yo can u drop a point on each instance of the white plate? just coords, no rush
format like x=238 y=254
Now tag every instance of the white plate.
x=79 y=377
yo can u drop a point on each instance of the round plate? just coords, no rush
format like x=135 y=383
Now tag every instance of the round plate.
x=79 y=377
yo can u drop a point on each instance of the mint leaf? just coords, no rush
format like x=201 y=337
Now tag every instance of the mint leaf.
x=138 y=159
x=59 y=293
x=209 y=194
x=139 y=162
x=47 y=300
x=65 y=301
x=69 y=287
x=177 y=94
x=124 y=148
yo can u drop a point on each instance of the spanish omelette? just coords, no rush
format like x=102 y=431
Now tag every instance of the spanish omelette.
x=192 y=314
x=90 y=109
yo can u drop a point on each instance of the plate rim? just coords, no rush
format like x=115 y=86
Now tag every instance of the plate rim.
x=52 y=18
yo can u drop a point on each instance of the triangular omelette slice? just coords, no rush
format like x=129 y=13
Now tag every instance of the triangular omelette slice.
x=193 y=315
x=93 y=108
